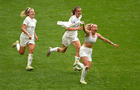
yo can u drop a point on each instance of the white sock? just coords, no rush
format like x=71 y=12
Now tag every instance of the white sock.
x=30 y=57
x=76 y=67
x=83 y=74
x=54 y=49
x=17 y=46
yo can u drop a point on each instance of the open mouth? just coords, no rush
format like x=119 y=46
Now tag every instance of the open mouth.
x=79 y=14
x=95 y=30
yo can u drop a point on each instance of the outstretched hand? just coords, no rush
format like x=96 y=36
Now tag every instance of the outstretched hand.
x=115 y=45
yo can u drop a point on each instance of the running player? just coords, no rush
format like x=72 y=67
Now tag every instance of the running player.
x=71 y=35
x=27 y=35
x=86 y=49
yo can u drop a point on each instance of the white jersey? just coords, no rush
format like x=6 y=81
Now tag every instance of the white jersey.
x=30 y=27
x=74 y=22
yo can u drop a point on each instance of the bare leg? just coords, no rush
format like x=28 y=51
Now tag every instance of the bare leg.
x=63 y=49
x=22 y=50
x=77 y=45
x=57 y=49
x=87 y=65
x=31 y=48
x=86 y=62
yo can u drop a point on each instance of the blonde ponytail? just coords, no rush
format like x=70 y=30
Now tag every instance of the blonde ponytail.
x=88 y=27
x=22 y=14
x=25 y=12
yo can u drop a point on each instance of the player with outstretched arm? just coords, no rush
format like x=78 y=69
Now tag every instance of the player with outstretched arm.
x=86 y=49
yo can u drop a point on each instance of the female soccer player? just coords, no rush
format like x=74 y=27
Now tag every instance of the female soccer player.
x=71 y=35
x=86 y=49
x=27 y=35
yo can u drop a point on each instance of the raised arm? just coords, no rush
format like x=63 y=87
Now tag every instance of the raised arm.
x=86 y=31
x=106 y=40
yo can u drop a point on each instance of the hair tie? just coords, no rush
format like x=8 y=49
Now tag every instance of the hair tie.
x=28 y=9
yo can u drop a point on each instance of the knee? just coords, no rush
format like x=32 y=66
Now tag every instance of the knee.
x=63 y=51
x=21 y=53
x=78 y=47
x=88 y=67
x=31 y=51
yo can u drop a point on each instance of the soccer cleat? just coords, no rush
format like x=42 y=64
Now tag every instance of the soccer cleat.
x=75 y=63
x=14 y=44
x=49 y=52
x=29 y=68
x=86 y=68
x=75 y=68
x=83 y=82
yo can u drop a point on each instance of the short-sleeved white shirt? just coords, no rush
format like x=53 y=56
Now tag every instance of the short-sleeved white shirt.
x=75 y=23
x=30 y=26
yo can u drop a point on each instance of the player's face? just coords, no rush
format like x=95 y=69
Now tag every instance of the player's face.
x=78 y=12
x=94 y=28
x=31 y=13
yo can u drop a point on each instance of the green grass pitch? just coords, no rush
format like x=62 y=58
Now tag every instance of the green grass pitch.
x=112 y=68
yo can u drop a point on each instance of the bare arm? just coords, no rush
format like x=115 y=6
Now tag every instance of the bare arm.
x=74 y=29
x=86 y=31
x=36 y=36
x=23 y=28
x=106 y=40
